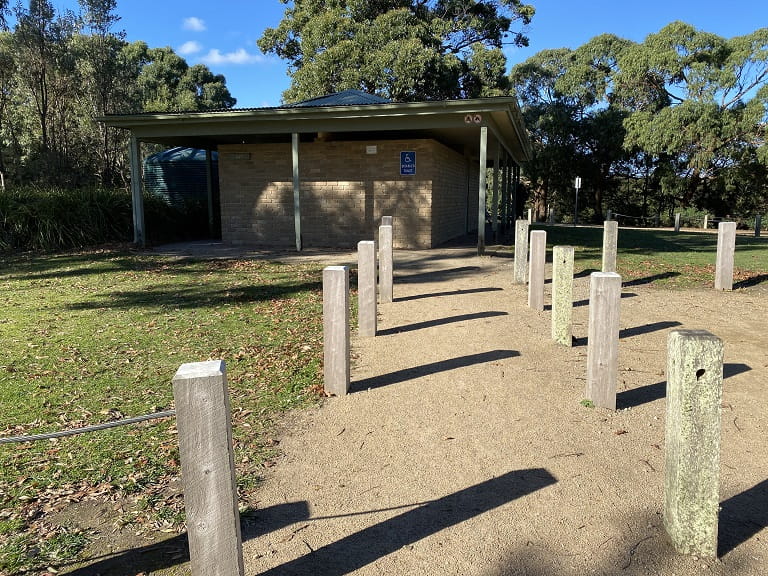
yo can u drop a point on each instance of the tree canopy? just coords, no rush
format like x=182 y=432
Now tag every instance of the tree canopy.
x=59 y=71
x=405 y=50
x=676 y=120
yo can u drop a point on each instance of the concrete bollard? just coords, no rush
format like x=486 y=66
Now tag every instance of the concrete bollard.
x=521 y=252
x=706 y=221
x=677 y=222
x=536 y=270
x=562 y=295
x=603 y=342
x=385 y=263
x=758 y=225
x=336 y=330
x=530 y=216
x=692 y=447
x=207 y=468
x=366 y=288
x=726 y=246
x=610 y=245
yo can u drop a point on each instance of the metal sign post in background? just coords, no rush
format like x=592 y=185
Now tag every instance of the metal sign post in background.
x=577 y=184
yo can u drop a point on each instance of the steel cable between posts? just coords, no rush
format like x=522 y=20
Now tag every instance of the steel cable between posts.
x=614 y=214
x=84 y=429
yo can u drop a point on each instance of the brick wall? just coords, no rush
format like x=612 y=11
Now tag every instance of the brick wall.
x=344 y=193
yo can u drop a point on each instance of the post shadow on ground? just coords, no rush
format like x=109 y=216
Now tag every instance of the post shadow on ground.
x=652 y=392
x=636 y=331
x=447 y=293
x=374 y=542
x=753 y=281
x=432 y=368
x=439 y=322
x=741 y=517
x=650 y=279
x=585 y=302
x=173 y=551
x=435 y=275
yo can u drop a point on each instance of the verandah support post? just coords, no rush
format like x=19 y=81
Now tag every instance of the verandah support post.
x=336 y=330
x=536 y=269
x=562 y=295
x=495 y=197
x=207 y=468
x=386 y=264
x=726 y=246
x=603 y=338
x=482 y=191
x=137 y=196
x=366 y=288
x=296 y=191
x=521 y=252
x=692 y=446
x=610 y=243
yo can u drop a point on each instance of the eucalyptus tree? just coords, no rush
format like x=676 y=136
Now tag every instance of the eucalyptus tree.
x=404 y=50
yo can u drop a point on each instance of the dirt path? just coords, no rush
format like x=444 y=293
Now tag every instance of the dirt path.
x=463 y=448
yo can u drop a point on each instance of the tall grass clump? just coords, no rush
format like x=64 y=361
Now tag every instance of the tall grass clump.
x=38 y=218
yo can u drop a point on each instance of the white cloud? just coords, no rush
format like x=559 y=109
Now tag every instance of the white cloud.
x=194 y=24
x=190 y=47
x=240 y=56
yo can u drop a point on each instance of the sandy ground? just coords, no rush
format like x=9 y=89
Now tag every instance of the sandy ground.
x=463 y=447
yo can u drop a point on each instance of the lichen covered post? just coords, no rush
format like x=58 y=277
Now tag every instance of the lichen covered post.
x=208 y=469
x=521 y=252
x=603 y=343
x=562 y=295
x=336 y=330
x=692 y=446
x=536 y=269
x=726 y=246
x=385 y=263
x=610 y=245
x=366 y=288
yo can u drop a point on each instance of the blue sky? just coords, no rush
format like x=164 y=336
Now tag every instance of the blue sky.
x=222 y=34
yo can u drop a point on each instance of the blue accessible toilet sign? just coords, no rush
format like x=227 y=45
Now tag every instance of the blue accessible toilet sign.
x=407 y=163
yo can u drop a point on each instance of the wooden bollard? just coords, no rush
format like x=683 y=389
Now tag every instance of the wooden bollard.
x=536 y=269
x=530 y=216
x=562 y=295
x=706 y=221
x=336 y=330
x=366 y=288
x=385 y=263
x=692 y=447
x=521 y=252
x=677 y=222
x=603 y=342
x=610 y=245
x=758 y=225
x=387 y=221
x=208 y=468
x=726 y=246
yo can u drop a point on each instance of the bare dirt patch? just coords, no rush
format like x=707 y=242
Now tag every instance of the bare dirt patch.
x=464 y=449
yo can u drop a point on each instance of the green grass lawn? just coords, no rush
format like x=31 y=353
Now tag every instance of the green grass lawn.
x=97 y=336
x=662 y=257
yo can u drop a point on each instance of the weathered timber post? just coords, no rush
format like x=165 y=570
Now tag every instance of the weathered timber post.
x=336 y=330
x=208 y=468
x=758 y=224
x=521 y=252
x=610 y=245
x=677 y=222
x=692 y=447
x=603 y=343
x=385 y=262
x=551 y=215
x=387 y=221
x=562 y=295
x=608 y=214
x=706 y=221
x=536 y=270
x=726 y=246
x=530 y=216
x=366 y=288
